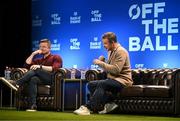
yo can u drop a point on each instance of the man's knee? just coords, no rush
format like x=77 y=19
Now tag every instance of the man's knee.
x=92 y=84
x=34 y=80
x=38 y=70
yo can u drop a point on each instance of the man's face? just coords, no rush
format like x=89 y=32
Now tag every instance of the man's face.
x=44 y=48
x=108 y=46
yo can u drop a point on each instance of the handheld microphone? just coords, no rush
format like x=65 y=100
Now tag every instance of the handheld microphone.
x=102 y=58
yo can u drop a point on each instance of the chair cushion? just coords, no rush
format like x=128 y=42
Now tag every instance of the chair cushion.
x=135 y=90
x=156 y=91
x=43 y=89
x=145 y=91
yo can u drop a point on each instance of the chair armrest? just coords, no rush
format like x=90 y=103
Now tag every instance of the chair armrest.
x=17 y=73
x=177 y=91
x=62 y=73
x=95 y=74
x=58 y=76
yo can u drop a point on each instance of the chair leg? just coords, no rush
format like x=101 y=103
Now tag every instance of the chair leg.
x=18 y=100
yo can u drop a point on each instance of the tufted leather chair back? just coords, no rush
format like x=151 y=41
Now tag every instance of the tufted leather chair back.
x=161 y=77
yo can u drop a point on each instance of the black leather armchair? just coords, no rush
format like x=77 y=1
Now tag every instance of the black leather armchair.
x=155 y=91
x=49 y=96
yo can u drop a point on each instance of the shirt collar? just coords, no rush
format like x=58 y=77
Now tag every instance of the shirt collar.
x=47 y=56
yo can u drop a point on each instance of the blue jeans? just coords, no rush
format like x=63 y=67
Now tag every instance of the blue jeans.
x=98 y=93
x=33 y=78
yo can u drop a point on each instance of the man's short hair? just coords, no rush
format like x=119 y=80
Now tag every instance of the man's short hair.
x=110 y=36
x=46 y=41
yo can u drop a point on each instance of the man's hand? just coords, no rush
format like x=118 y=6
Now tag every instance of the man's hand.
x=97 y=61
x=34 y=67
x=30 y=58
x=37 y=52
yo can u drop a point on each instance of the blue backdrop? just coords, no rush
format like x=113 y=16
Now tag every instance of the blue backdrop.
x=148 y=29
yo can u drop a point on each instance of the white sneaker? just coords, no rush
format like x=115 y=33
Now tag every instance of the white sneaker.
x=108 y=108
x=30 y=110
x=82 y=111
x=33 y=108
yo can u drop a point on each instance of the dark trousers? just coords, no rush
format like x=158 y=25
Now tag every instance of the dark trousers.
x=102 y=92
x=33 y=78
